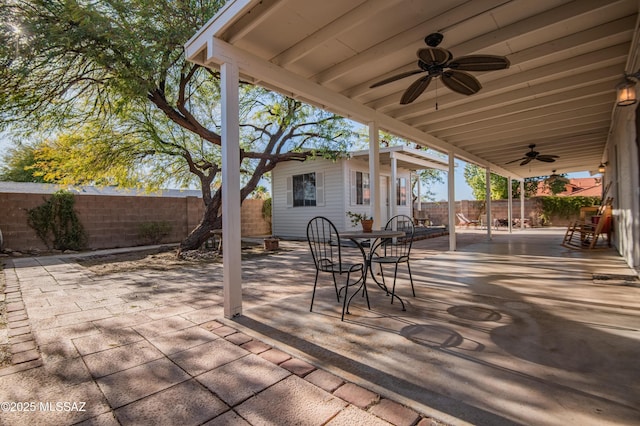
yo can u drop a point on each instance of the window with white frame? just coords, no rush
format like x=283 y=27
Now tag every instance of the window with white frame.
x=401 y=191
x=360 y=188
x=305 y=190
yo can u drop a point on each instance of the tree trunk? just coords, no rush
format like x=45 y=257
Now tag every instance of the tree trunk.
x=201 y=233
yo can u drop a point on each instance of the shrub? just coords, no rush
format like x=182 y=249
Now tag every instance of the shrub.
x=564 y=207
x=56 y=222
x=154 y=232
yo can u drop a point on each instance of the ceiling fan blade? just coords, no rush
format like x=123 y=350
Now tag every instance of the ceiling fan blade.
x=461 y=82
x=480 y=63
x=394 y=78
x=415 y=90
x=434 y=55
x=546 y=158
x=526 y=161
x=519 y=159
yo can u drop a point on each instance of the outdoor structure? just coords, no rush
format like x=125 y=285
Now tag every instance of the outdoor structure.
x=321 y=187
x=113 y=217
x=559 y=93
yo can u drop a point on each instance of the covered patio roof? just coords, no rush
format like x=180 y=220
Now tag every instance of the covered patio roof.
x=559 y=92
x=408 y=158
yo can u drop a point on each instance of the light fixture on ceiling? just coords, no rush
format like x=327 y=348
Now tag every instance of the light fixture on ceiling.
x=627 y=90
x=602 y=167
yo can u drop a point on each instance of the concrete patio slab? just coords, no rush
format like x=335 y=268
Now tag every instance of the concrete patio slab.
x=512 y=331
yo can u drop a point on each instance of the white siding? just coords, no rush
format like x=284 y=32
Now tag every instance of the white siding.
x=291 y=222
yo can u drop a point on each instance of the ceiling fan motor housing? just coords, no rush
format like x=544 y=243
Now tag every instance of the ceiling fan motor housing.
x=433 y=39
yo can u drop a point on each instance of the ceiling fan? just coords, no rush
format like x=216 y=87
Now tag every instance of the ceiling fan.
x=534 y=155
x=555 y=177
x=438 y=62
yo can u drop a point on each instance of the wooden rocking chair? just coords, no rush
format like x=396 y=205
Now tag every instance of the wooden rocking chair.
x=585 y=232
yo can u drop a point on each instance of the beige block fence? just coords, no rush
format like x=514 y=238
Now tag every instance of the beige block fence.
x=114 y=221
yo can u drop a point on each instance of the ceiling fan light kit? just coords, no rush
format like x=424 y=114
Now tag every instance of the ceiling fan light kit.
x=439 y=62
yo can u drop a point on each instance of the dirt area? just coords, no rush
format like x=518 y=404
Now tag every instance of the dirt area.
x=162 y=259
x=5 y=352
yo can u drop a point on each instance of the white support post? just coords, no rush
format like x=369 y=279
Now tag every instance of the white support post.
x=451 y=188
x=231 y=243
x=393 y=196
x=419 y=185
x=509 y=207
x=522 y=204
x=488 y=202
x=374 y=174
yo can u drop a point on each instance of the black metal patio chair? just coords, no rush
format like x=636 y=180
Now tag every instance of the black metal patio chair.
x=394 y=251
x=326 y=249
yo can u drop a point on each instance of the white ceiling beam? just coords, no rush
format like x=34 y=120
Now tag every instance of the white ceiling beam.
x=609 y=59
x=552 y=134
x=216 y=25
x=486 y=119
x=291 y=84
x=542 y=127
x=551 y=119
x=594 y=79
x=247 y=22
x=617 y=31
x=567 y=11
x=426 y=164
x=354 y=17
x=407 y=37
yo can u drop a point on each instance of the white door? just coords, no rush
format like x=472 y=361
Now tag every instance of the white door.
x=384 y=200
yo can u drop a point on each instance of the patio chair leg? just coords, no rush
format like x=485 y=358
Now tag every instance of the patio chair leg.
x=335 y=284
x=313 y=295
x=393 y=289
x=384 y=284
x=411 y=279
x=344 y=302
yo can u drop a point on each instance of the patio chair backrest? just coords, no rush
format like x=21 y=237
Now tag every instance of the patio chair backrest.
x=324 y=243
x=400 y=246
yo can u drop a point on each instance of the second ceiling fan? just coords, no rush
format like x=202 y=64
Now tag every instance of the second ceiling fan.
x=438 y=62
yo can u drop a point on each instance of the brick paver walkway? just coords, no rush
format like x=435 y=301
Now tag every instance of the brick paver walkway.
x=149 y=347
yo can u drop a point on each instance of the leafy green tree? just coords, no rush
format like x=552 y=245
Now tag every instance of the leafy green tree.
x=110 y=79
x=18 y=165
x=556 y=185
x=476 y=178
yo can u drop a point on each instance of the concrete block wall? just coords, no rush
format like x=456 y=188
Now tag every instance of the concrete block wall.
x=253 y=224
x=114 y=221
x=438 y=212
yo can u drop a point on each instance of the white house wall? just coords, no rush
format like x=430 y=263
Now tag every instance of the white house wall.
x=291 y=222
x=622 y=172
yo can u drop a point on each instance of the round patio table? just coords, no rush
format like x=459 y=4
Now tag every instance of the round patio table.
x=358 y=237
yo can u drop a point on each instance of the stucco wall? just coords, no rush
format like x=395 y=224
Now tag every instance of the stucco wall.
x=114 y=221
